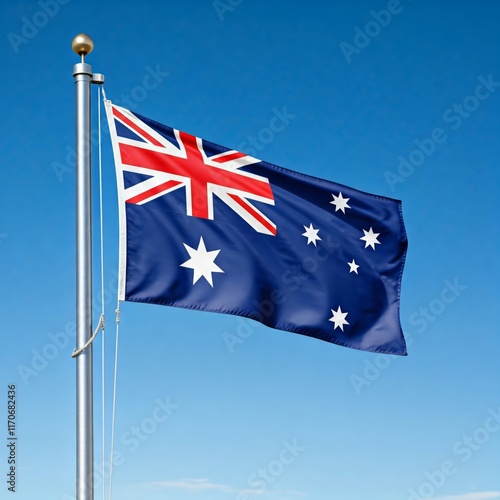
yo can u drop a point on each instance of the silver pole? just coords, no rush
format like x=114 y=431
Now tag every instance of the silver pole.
x=82 y=72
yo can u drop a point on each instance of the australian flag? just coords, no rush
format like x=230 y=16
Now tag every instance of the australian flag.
x=209 y=228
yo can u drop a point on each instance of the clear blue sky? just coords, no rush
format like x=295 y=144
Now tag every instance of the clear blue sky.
x=397 y=98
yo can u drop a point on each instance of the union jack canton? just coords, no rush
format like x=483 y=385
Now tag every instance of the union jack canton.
x=209 y=228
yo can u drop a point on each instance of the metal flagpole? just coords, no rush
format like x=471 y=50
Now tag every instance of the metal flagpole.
x=82 y=44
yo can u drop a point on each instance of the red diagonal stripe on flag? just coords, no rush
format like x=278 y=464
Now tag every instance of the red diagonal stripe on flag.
x=135 y=128
x=233 y=156
x=136 y=200
x=254 y=213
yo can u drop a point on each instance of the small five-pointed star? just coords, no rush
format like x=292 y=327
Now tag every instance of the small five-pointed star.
x=340 y=202
x=338 y=319
x=311 y=234
x=370 y=238
x=202 y=262
x=353 y=267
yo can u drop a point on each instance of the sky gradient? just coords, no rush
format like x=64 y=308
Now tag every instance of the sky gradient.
x=397 y=98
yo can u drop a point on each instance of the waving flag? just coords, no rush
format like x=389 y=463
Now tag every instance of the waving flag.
x=208 y=228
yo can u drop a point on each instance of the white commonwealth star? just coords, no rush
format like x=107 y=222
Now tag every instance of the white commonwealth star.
x=340 y=202
x=202 y=262
x=370 y=238
x=311 y=234
x=353 y=267
x=338 y=319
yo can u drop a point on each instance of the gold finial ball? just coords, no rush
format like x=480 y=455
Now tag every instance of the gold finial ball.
x=82 y=44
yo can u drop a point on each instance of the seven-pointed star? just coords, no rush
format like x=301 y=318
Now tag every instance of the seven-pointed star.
x=202 y=262
x=338 y=319
x=311 y=234
x=353 y=267
x=340 y=202
x=370 y=238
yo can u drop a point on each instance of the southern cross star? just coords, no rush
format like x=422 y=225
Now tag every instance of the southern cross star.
x=340 y=202
x=202 y=262
x=311 y=234
x=370 y=238
x=338 y=319
x=353 y=267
